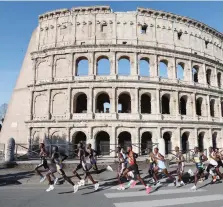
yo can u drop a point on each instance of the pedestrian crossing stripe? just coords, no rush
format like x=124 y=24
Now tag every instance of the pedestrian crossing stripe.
x=172 y=201
x=143 y=193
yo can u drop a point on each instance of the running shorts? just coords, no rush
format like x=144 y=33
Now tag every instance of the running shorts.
x=180 y=168
x=43 y=164
x=134 y=168
x=86 y=166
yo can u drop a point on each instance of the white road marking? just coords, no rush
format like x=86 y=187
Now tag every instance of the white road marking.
x=143 y=193
x=172 y=201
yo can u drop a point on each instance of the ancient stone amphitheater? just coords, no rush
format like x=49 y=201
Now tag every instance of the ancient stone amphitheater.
x=82 y=80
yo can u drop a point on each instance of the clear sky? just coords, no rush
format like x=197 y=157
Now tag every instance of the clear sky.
x=19 y=19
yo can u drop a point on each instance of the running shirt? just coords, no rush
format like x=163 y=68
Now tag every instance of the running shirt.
x=57 y=159
x=160 y=163
x=180 y=158
x=92 y=157
x=212 y=157
x=132 y=157
x=197 y=157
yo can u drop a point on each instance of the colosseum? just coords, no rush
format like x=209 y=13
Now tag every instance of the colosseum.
x=144 y=77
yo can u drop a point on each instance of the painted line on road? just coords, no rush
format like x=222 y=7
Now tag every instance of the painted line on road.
x=172 y=201
x=143 y=193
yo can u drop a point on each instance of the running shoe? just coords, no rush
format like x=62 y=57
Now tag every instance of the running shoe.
x=109 y=168
x=129 y=183
x=55 y=181
x=121 y=187
x=96 y=186
x=42 y=179
x=157 y=184
x=194 y=188
x=75 y=188
x=148 y=189
x=214 y=179
x=133 y=184
x=51 y=187
x=81 y=183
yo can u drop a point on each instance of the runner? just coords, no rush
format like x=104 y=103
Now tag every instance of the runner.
x=57 y=161
x=93 y=159
x=133 y=166
x=212 y=164
x=180 y=167
x=161 y=165
x=198 y=159
x=153 y=168
x=219 y=161
x=86 y=164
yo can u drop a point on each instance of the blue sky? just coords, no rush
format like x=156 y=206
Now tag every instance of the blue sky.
x=18 y=20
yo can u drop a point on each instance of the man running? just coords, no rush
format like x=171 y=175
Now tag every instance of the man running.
x=92 y=154
x=161 y=165
x=212 y=164
x=180 y=168
x=133 y=167
x=152 y=168
x=198 y=159
x=57 y=160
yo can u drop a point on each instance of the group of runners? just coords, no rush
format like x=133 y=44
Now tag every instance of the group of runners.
x=128 y=168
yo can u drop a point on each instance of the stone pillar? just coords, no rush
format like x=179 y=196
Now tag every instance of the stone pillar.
x=138 y=141
x=113 y=143
x=214 y=79
x=158 y=110
x=188 y=75
x=71 y=60
x=92 y=65
x=154 y=66
x=74 y=70
x=177 y=140
x=194 y=105
x=69 y=94
x=134 y=65
x=113 y=65
x=34 y=61
x=219 y=108
x=51 y=60
x=49 y=104
x=135 y=104
x=10 y=150
x=91 y=138
x=31 y=105
x=207 y=107
x=204 y=78
x=113 y=101
x=176 y=107
x=174 y=69
x=90 y=101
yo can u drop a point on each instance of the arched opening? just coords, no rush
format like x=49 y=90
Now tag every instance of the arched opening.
x=103 y=143
x=201 y=141
x=124 y=139
x=144 y=67
x=214 y=140
x=146 y=143
x=184 y=141
x=163 y=69
x=195 y=71
x=219 y=79
x=124 y=102
x=103 y=66
x=145 y=104
x=103 y=103
x=180 y=71
x=124 y=67
x=208 y=76
x=77 y=138
x=166 y=104
x=183 y=105
x=167 y=142
x=212 y=103
x=82 y=66
x=80 y=103
x=199 y=106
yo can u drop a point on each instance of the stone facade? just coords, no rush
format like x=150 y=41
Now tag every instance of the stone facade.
x=51 y=100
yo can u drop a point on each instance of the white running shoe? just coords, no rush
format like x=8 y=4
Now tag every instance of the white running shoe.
x=194 y=188
x=182 y=183
x=42 y=179
x=109 y=168
x=55 y=181
x=96 y=186
x=81 y=183
x=75 y=188
x=121 y=187
x=50 y=188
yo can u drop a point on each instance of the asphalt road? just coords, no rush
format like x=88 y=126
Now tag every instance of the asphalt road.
x=34 y=195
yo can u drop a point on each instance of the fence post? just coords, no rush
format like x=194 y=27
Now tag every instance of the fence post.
x=10 y=150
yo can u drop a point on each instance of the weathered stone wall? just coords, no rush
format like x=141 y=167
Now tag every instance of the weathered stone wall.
x=44 y=100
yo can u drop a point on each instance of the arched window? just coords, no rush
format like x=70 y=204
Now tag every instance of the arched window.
x=146 y=143
x=167 y=142
x=145 y=104
x=199 y=106
x=214 y=140
x=183 y=105
x=103 y=143
x=103 y=103
x=124 y=67
x=166 y=104
x=208 y=76
x=195 y=71
x=80 y=103
x=103 y=66
x=212 y=103
x=124 y=139
x=144 y=67
x=77 y=138
x=82 y=66
x=163 y=69
x=180 y=71
x=124 y=101
x=201 y=141
x=184 y=141
x=219 y=79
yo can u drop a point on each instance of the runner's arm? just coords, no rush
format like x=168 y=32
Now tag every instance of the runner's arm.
x=64 y=156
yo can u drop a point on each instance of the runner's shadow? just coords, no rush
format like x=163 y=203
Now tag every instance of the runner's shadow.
x=61 y=193
x=100 y=189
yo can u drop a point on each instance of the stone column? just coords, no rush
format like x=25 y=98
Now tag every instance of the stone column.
x=207 y=107
x=69 y=94
x=113 y=64
x=113 y=101
x=194 y=105
x=214 y=79
x=51 y=61
x=135 y=104
x=174 y=69
x=34 y=61
x=158 y=110
x=204 y=75
x=31 y=105
x=90 y=101
x=177 y=140
x=190 y=72
x=134 y=65
x=138 y=141
x=49 y=104
x=113 y=143
x=219 y=108
x=74 y=68
x=177 y=107
x=71 y=60
x=195 y=140
x=92 y=65
x=154 y=66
